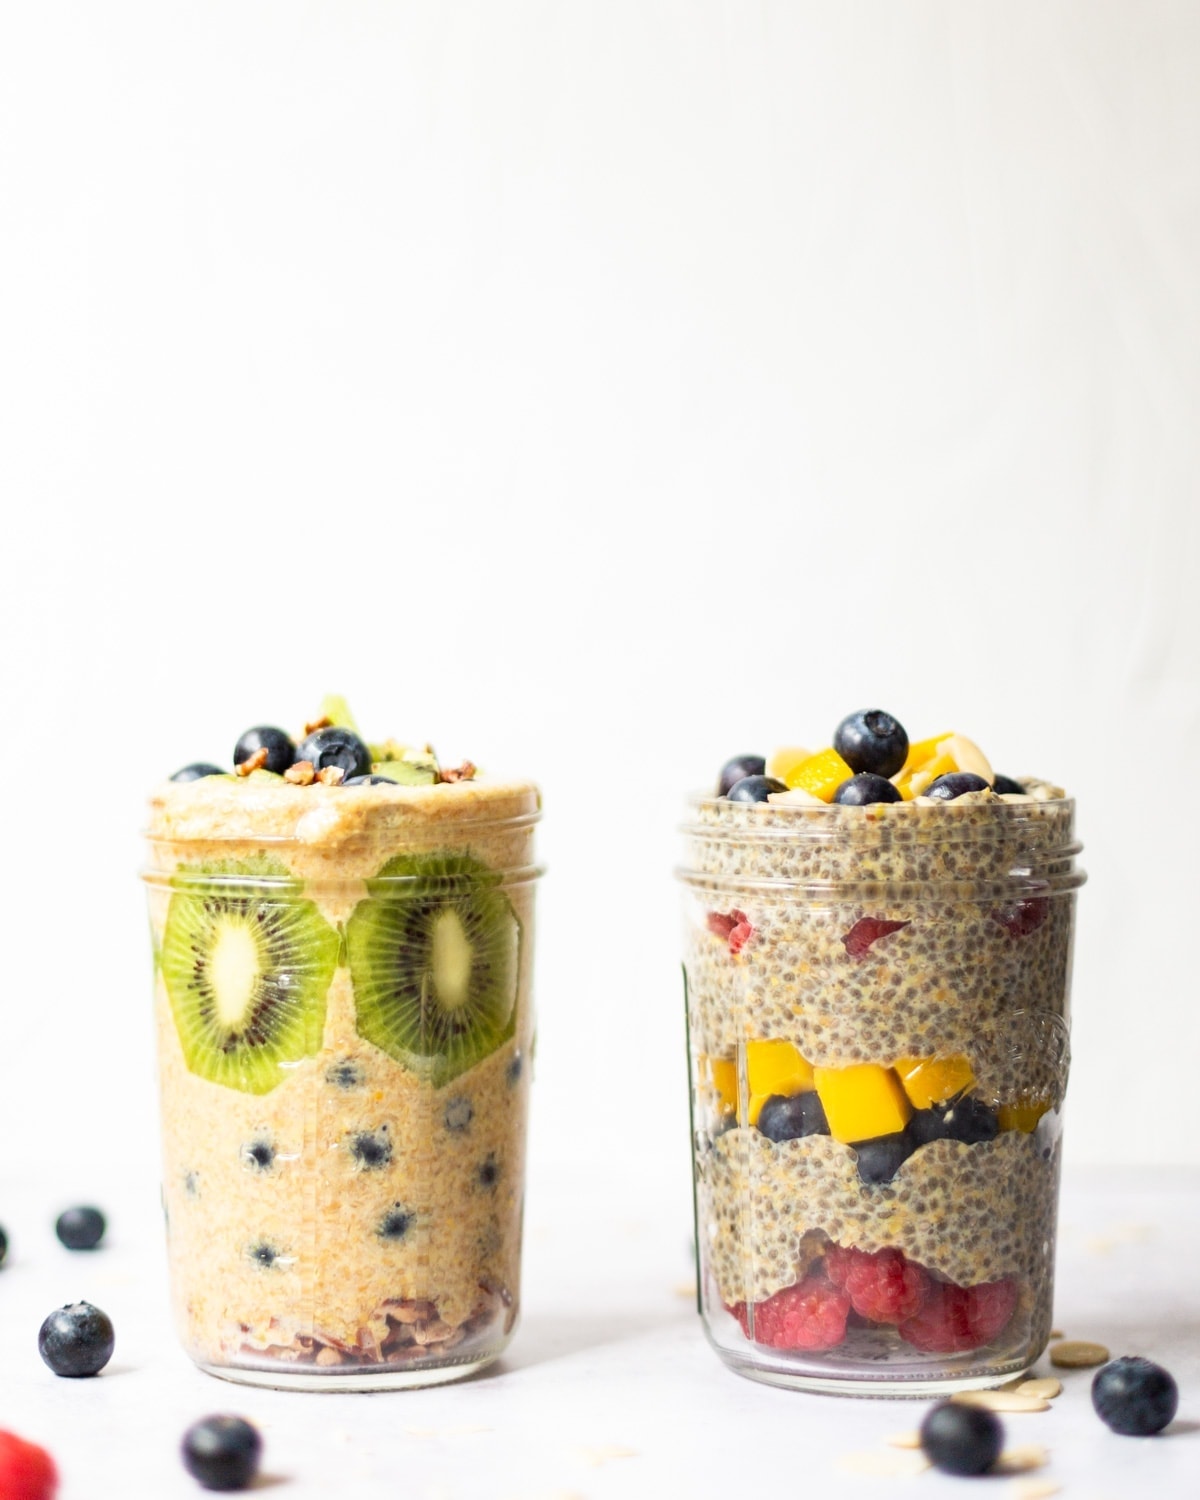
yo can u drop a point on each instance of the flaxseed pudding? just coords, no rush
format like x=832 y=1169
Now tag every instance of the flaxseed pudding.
x=877 y=968
x=343 y=939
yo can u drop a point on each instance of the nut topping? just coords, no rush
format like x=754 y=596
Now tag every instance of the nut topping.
x=301 y=774
x=253 y=762
x=331 y=776
x=465 y=772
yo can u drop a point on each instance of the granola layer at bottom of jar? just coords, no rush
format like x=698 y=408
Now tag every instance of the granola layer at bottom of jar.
x=954 y=1250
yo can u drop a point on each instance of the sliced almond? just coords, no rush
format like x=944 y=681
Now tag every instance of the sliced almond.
x=797 y=797
x=785 y=760
x=883 y=1465
x=1056 y=1333
x=968 y=756
x=1001 y=1401
x=1021 y=1459
x=1078 y=1354
x=1046 y=1386
x=1034 y=1489
x=904 y=1440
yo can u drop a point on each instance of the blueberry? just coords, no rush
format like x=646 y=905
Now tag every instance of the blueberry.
x=1006 y=786
x=396 y=1223
x=281 y=752
x=512 y=1074
x=961 y=1439
x=259 y=1155
x=344 y=1075
x=80 y=1228
x=371 y=1151
x=871 y=741
x=754 y=789
x=788 y=1118
x=864 y=788
x=955 y=784
x=880 y=1159
x=734 y=770
x=3 y=1246
x=333 y=746
x=459 y=1114
x=76 y=1340
x=197 y=770
x=1134 y=1396
x=263 y=1254
x=489 y=1173
x=965 y=1119
x=223 y=1453
x=370 y=781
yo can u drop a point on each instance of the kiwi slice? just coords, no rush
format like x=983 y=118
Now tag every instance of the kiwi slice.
x=434 y=952
x=408 y=772
x=247 y=965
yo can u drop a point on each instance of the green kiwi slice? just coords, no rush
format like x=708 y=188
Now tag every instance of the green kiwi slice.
x=434 y=952
x=247 y=964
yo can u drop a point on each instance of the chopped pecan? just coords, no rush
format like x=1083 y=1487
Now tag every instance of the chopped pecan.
x=253 y=762
x=331 y=776
x=301 y=774
x=465 y=772
x=314 y=724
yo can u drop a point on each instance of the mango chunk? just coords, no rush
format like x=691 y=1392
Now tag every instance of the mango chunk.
x=932 y=1080
x=820 y=774
x=921 y=751
x=862 y=1101
x=774 y=1067
x=783 y=762
x=1024 y=1114
x=722 y=1074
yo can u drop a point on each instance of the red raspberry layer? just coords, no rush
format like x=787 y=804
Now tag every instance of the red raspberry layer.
x=868 y=930
x=27 y=1472
x=733 y=926
x=954 y=1319
x=810 y=1315
x=1023 y=917
x=884 y=1287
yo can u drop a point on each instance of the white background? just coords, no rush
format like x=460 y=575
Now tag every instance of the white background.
x=597 y=390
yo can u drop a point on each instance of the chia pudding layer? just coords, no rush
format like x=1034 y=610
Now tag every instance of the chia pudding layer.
x=358 y=1211
x=902 y=961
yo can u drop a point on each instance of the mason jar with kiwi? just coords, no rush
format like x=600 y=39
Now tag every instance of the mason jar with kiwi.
x=344 y=1010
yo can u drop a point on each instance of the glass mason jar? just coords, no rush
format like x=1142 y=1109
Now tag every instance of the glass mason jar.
x=345 y=1023
x=877 y=1003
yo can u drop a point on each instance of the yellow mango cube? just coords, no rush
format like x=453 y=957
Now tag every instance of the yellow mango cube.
x=921 y=751
x=820 y=774
x=1023 y=1115
x=722 y=1074
x=916 y=776
x=783 y=762
x=862 y=1101
x=774 y=1067
x=932 y=1080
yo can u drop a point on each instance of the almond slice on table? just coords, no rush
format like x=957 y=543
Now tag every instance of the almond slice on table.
x=1034 y=1489
x=904 y=1440
x=883 y=1465
x=1021 y=1459
x=1078 y=1354
x=1010 y=1401
x=1045 y=1386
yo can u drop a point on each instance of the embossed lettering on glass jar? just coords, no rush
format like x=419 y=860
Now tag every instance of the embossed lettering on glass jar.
x=877 y=1002
x=343 y=983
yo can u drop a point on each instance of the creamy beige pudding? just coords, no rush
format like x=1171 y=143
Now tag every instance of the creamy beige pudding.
x=877 y=990
x=345 y=1023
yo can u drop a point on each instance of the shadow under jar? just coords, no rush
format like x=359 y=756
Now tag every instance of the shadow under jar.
x=344 y=1011
x=877 y=1003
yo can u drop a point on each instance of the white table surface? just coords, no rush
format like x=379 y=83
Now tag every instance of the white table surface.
x=609 y=1388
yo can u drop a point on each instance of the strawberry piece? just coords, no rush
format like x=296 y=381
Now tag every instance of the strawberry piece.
x=884 y=1287
x=27 y=1472
x=957 y=1318
x=810 y=1315
x=1023 y=917
x=868 y=930
x=734 y=927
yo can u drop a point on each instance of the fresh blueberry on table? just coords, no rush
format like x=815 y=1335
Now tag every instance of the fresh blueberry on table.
x=865 y=788
x=955 y=784
x=961 y=1439
x=880 y=1159
x=197 y=771
x=76 y=1340
x=333 y=747
x=1134 y=1396
x=736 y=769
x=790 y=1117
x=754 y=788
x=223 y=1452
x=80 y=1228
x=1006 y=786
x=281 y=752
x=871 y=741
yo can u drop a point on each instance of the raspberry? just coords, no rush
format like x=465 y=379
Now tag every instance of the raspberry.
x=865 y=932
x=810 y=1315
x=735 y=928
x=957 y=1318
x=883 y=1287
x=27 y=1472
x=1023 y=917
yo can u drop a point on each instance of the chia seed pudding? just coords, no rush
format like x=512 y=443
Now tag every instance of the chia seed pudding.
x=877 y=958
x=344 y=1014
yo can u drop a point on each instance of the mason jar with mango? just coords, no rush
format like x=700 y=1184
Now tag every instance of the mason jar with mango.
x=877 y=962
